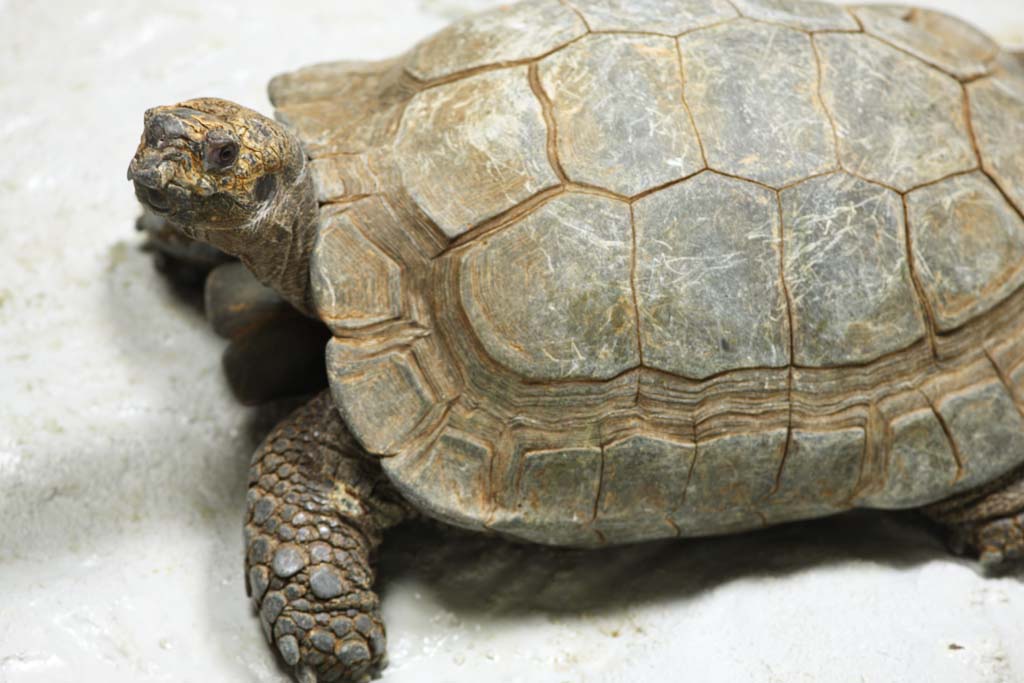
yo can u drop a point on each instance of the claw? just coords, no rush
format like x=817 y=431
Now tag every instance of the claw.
x=991 y=558
x=305 y=674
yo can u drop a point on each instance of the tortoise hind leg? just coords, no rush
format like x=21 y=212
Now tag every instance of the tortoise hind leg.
x=989 y=522
x=317 y=507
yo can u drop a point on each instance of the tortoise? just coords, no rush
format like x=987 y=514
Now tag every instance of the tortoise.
x=601 y=272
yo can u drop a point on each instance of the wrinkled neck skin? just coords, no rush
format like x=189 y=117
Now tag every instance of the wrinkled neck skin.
x=277 y=243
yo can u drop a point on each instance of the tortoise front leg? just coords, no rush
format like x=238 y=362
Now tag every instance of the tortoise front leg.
x=317 y=507
x=275 y=351
x=989 y=522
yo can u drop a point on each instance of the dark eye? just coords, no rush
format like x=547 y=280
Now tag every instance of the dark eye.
x=226 y=155
x=221 y=155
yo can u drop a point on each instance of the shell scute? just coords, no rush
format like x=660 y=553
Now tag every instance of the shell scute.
x=709 y=290
x=643 y=482
x=637 y=143
x=847 y=272
x=667 y=17
x=486 y=137
x=510 y=33
x=550 y=296
x=965 y=220
x=939 y=39
x=887 y=134
x=752 y=89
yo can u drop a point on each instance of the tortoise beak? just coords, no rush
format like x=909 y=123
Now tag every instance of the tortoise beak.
x=150 y=169
x=151 y=174
x=153 y=166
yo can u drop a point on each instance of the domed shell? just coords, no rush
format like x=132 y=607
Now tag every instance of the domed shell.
x=603 y=271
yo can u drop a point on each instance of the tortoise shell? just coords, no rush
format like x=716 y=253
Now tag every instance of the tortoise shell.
x=605 y=270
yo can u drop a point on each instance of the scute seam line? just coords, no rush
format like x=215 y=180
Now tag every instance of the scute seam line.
x=922 y=300
x=819 y=94
x=792 y=345
x=636 y=299
x=1007 y=384
x=551 y=124
x=575 y=10
x=982 y=165
x=932 y=66
x=487 y=68
x=949 y=437
x=686 y=105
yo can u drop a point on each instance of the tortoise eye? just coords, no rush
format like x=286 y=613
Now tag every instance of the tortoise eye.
x=220 y=155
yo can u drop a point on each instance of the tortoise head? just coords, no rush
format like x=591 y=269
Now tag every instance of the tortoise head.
x=209 y=165
x=232 y=178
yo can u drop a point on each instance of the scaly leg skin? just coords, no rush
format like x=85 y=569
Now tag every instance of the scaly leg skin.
x=988 y=522
x=317 y=507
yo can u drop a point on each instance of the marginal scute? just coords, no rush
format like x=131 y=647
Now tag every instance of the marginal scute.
x=901 y=135
x=806 y=15
x=553 y=496
x=708 y=285
x=382 y=398
x=509 y=33
x=920 y=464
x=642 y=485
x=733 y=478
x=645 y=138
x=341 y=107
x=968 y=247
x=820 y=473
x=913 y=462
x=847 y=272
x=943 y=41
x=485 y=137
x=550 y=297
x=337 y=178
x=450 y=480
x=354 y=283
x=988 y=430
x=329 y=80
x=997 y=118
x=668 y=17
x=752 y=89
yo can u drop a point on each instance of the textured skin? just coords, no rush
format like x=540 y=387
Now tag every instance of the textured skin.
x=317 y=507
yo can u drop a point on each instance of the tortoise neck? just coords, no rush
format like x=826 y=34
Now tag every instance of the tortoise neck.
x=288 y=232
x=285 y=234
